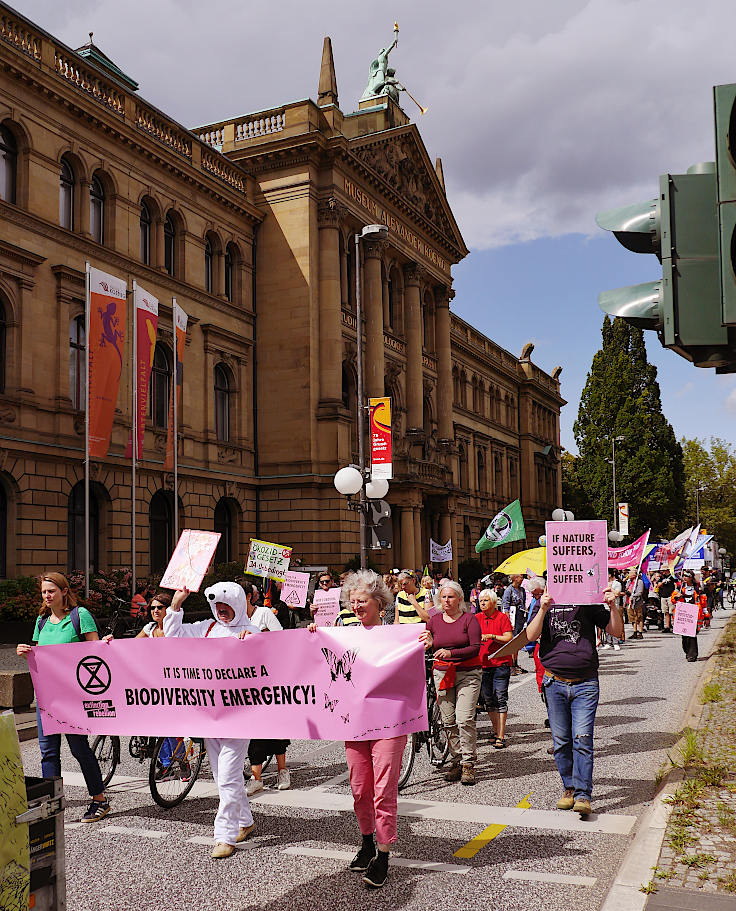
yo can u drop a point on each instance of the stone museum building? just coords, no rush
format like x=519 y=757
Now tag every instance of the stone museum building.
x=250 y=225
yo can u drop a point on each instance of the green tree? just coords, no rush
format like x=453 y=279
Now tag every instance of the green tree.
x=621 y=398
x=573 y=492
x=713 y=470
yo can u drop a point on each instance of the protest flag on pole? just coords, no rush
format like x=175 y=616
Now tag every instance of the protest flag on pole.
x=145 y=326
x=105 y=342
x=180 y=324
x=507 y=525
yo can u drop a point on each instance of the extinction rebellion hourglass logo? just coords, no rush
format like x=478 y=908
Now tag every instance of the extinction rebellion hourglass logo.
x=94 y=677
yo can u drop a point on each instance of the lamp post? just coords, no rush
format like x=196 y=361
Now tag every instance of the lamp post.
x=722 y=553
x=698 y=490
x=350 y=481
x=615 y=440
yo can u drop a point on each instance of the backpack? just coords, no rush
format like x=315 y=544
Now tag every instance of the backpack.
x=73 y=616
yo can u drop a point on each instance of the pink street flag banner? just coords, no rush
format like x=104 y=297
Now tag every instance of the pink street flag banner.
x=191 y=559
x=686 y=619
x=327 y=605
x=294 y=589
x=631 y=555
x=334 y=684
x=577 y=561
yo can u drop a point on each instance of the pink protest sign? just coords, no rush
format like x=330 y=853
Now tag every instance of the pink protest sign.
x=327 y=604
x=191 y=559
x=686 y=619
x=294 y=589
x=577 y=561
x=334 y=684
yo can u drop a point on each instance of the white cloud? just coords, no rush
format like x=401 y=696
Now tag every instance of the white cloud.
x=731 y=401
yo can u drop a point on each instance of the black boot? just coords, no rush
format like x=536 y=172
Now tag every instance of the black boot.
x=377 y=870
x=365 y=855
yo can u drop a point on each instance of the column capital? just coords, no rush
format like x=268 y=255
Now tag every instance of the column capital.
x=374 y=247
x=413 y=274
x=442 y=295
x=330 y=212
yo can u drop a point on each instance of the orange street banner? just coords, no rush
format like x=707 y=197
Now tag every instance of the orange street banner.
x=380 y=422
x=107 y=318
x=180 y=320
x=146 y=324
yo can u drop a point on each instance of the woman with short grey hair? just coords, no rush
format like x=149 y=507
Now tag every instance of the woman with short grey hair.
x=371 y=583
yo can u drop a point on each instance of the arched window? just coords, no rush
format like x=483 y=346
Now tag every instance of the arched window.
x=8 y=165
x=208 y=256
x=467 y=541
x=161 y=529
x=225 y=523
x=97 y=210
x=3 y=533
x=481 y=398
x=229 y=273
x=77 y=363
x=482 y=478
x=464 y=389
x=463 y=465
x=67 y=183
x=3 y=344
x=170 y=245
x=474 y=386
x=498 y=485
x=160 y=388
x=455 y=386
x=222 y=403
x=75 y=529
x=145 y=223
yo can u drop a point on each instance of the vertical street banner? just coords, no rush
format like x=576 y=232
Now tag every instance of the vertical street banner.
x=145 y=328
x=180 y=321
x=440 y=553
x=577 y=561
x=623 y=518
x=107 y=317
x=380 y=424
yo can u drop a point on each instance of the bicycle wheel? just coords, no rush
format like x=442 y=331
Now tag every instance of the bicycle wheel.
x=171 y=781
x=407 y=760
x=106 y=748
x=438 y=744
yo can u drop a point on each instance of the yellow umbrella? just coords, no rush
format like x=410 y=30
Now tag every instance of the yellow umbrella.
x=534 y=559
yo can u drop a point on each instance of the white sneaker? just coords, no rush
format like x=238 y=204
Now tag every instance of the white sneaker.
x=603 y=647
x=253 y=786
x=617 y=647
x=284 y=780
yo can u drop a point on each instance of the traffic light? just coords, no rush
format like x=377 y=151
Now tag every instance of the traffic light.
x=724 y=97
x=680 y=227
x=379 y=525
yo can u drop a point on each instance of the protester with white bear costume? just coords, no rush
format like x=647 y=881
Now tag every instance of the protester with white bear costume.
x=234 y=820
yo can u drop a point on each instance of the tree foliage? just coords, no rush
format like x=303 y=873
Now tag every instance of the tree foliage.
x=713 y=469
x=621 y=398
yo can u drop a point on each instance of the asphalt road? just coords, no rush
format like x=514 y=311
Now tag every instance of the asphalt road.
x=142 y=857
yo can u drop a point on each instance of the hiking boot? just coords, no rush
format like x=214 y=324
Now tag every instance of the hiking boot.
x=244 y=832
x=582 y=806
x=366 y=853
x=567 y=801
x=377 y=870
x=284 y=780
x=96 y=811
x=454 y=773
x=222 y=849
x=467 y=776
x=253 y=786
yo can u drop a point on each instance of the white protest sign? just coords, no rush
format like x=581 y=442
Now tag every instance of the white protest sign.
x=686 y=619
x=191 y=559
x=327 y=604
x=440 y=553
x=271 y=561
x=577 y=561
x=294 y=589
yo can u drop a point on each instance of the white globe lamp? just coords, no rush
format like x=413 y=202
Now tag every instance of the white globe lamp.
x=348 y=481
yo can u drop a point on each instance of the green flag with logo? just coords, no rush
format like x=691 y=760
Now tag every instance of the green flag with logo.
x=505 y=526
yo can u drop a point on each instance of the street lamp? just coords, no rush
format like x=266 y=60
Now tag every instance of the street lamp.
x=698 y=490
x=562 y=515
x=361 y=471
x=722 y=553
x=615 y=537
x=615 y=440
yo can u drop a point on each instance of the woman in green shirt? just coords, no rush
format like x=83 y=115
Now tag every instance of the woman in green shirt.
x=61 y=621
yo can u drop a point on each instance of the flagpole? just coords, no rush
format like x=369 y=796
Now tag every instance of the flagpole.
x=88 y=288
x=176 y=428
x=134 y=387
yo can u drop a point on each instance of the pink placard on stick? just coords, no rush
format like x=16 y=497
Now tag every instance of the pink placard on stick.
x=686 y=619
x=327 y=604
x=191 y=559
x=577 y=561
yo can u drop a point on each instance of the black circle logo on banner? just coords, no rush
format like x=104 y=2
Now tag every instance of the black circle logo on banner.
x=93 y=675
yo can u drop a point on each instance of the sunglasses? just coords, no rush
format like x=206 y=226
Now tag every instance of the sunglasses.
x=325 y=581
x=158 y=607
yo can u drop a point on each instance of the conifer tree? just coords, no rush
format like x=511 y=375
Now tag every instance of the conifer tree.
x=621 y=398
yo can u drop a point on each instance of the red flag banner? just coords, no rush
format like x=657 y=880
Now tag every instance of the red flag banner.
x=180 y=320
x=146 y=324
x=107 y=318
x=380 y=423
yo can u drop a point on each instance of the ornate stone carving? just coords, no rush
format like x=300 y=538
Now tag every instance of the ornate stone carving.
x=227 y=455
x=392 y=371
x=374 y=247
x=413 y=274
x=442 y=295
x=159 y=442
x=167 y=481
x=351 y=353
x=330 y=213
x=8 y=414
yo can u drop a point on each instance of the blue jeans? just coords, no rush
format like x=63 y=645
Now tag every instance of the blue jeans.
x=50 y=747
x=571 y=708
x=494 y=688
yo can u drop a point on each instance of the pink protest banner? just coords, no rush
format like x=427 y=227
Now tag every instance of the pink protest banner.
x=327 y=604
x=191 y=559
x=577 y=561
x=334 y=684
x=294 y=589
x=686 y=619
x=631 y=555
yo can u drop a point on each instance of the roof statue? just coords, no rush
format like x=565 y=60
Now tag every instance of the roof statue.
x=379 y=70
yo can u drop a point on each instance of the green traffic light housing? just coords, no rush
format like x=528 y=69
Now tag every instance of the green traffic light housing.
x=636 y=227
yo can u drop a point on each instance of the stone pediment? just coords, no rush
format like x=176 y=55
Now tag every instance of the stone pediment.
x=399 y=158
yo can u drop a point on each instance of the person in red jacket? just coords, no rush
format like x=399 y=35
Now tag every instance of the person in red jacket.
x=496 y=630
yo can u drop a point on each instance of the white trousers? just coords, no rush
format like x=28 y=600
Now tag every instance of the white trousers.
x=227 y=759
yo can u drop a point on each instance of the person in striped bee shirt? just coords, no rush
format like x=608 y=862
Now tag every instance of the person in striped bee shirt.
x=412 y=603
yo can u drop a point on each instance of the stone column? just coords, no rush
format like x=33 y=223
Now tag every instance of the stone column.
x=413 y=325
x=330 y=318
x=445 y=529
x=373 y=309
x=407 y=537
x=419 y=544
x=444 y=365
x=83 y=208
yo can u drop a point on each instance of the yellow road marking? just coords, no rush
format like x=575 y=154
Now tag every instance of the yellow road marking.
x=488 y=834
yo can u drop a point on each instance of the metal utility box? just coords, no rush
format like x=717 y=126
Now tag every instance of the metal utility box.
x=45 y=818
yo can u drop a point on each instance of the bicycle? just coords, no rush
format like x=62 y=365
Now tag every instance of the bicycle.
x=434 y=738
x=125 y=622
x=170 y=778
